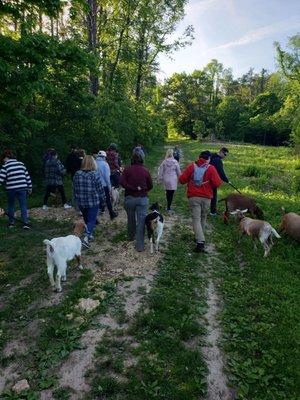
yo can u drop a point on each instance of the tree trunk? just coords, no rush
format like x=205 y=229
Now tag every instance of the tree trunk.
x=92 y=39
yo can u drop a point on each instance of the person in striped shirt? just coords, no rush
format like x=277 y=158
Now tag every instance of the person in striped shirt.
x=15 y=177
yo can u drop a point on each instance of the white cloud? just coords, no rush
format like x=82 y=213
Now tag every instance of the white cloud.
x=261 y=33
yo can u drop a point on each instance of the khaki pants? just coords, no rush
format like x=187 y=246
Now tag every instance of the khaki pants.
x=199 y=208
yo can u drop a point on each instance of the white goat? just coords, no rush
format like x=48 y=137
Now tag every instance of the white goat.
x=59 y=251
x=257 y=229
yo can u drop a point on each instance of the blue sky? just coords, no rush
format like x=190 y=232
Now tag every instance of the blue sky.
x=238 y=33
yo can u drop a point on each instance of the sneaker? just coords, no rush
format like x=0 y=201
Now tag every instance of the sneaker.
x=10 y=226
x=114 y=215
x=91 y=238
x=199 y=248
x=26 y=226
x=45 y=207
x=67 y=206
x=213 y=214
x=85 y=242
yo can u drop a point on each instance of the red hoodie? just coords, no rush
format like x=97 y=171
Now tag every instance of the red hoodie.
x=211 y=180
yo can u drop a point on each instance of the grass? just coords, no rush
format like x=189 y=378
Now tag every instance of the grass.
x=167 y=367
x=260 y=318
x=261 y=314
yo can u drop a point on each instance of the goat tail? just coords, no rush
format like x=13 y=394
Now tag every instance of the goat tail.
x=283 y=210
x=275 y=233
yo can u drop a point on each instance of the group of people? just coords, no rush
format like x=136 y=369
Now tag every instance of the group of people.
x=93 y=177
x=203 y=177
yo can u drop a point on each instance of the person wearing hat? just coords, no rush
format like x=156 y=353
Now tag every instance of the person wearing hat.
x=103 y=171
x=201 y=179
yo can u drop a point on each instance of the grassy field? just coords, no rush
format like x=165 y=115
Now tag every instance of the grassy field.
x=157 y=352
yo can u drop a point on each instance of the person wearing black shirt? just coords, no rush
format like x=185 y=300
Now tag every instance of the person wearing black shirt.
x=217 y=161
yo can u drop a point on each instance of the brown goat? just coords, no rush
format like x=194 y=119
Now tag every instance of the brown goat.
x=240 y=202
x=290 y=224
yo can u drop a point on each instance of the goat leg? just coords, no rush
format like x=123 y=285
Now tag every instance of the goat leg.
x=78 y=258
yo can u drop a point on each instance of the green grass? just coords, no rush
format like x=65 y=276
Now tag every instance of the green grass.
x=167 y=367
x=261 y=315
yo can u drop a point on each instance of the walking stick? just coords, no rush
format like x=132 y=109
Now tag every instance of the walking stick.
x=229 y=183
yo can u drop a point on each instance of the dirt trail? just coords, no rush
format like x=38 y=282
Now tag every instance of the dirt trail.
x=217 y=387
x=125 y=262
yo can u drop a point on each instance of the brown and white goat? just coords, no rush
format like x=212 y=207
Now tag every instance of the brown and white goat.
x=237 y=201
x=257 y=229
x=290 y=224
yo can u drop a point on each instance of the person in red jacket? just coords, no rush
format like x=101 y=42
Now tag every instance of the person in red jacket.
x=201 y=179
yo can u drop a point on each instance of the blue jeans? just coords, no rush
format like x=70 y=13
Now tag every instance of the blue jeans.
x=136 y=209
x=89 y=216
x=21 y=196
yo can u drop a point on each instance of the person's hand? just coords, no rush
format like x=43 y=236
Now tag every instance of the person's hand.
x=29 y=191
x=2 y=212
x=139 y=188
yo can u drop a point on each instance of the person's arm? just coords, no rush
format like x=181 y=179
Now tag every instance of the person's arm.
x=99 y=188
x=106 y=176
x=61 y=167
x=186 y=174
x=220 y=170
x=3 y=175
x=178 y=172
x=28 y=180
x=124 y=181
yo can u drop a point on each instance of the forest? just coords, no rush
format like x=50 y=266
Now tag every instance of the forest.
x=84 y=73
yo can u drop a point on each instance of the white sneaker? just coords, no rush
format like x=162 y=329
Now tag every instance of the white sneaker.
x=66 y=206
x=45 y=207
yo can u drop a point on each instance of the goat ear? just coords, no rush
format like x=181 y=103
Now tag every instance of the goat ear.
x=244 y=211
x=234 y=212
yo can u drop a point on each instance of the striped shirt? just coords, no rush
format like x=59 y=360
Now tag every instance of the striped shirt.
x=14 y=175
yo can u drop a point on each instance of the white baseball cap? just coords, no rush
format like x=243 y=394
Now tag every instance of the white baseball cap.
x=102 y=153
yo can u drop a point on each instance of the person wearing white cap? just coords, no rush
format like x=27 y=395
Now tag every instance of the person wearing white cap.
x=103 y=171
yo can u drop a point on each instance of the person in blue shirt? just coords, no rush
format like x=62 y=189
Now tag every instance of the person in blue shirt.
x=103 y=171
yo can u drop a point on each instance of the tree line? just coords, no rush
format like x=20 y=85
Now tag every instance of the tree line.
x=262 y=108
x=83 y=73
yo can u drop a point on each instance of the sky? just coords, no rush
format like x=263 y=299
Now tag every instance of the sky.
x=238 y=33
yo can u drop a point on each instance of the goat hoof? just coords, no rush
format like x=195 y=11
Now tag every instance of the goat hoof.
x=58 y=290
x=53 y=288
x=63 y=279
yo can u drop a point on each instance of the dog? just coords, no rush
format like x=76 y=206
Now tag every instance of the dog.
x=155 y=224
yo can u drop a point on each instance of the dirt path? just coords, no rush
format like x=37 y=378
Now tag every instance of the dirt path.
x=217 y=387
